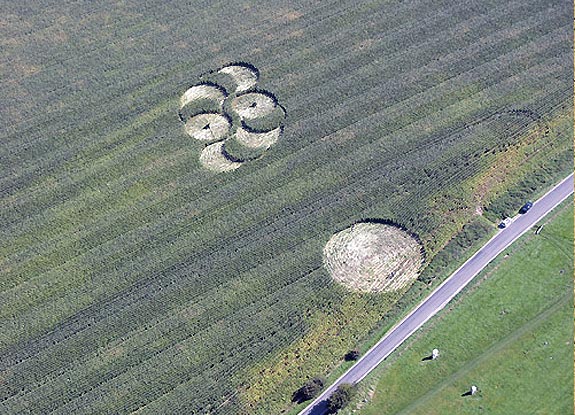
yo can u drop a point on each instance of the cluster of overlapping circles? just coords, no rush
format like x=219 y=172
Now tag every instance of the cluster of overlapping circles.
x=234 y=119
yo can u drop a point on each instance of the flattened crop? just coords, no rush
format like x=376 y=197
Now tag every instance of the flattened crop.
x=254 y=105
x=212 y=158
x=208 y=127
x=373 y=257
x=245 y=76
x=211 y=115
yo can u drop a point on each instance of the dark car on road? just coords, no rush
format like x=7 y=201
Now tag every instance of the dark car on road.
x=526 y=207
x=503 y=224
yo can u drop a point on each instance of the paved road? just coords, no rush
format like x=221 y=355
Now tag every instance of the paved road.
x=445 y=292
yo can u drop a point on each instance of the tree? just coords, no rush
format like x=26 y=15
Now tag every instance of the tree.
x=351 y=355
x=341 y=397
x=308 y=391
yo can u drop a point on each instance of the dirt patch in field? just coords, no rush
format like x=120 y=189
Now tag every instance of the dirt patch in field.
x=254 y=104
x=373 y=257
x=290 y=16
x=213 y=158
x=208 y=127
x=340 y=136
x=245 y=75
x=257 y=140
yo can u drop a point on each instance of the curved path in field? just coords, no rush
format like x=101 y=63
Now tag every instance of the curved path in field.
x=445 y=292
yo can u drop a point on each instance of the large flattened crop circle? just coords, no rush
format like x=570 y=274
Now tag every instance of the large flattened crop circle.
x=373 y=257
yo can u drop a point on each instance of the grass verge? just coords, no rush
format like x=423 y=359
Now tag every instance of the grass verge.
x=512 y=338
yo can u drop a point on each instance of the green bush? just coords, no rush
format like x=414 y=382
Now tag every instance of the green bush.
x=341 y=397
x=308 y=391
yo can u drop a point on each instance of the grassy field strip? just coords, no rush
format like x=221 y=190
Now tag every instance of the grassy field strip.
x=535 y=157
x=542 y=361
x=493 y=350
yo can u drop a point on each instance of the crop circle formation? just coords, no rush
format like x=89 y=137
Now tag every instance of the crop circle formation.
x=236 y=121
x=373 y=257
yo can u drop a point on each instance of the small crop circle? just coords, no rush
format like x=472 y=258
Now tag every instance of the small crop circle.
x=212 y=158
x=373 y=257
x=226 y=109
x=253 y=105
x=201 y=91
x=208 y=127
x=245 y=75
x=257 y=140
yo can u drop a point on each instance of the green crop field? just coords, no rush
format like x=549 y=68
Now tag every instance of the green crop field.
x=513 y=338
x=134 y=279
